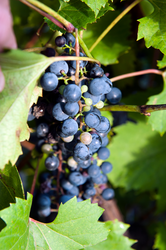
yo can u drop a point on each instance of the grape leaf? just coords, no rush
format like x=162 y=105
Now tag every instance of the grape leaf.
x=77 y=13
x=75 y=227
x=114 y=43
x=10 y=185
x=152 y=28
x=158 y=118
x=95 y=5
x=115 y=239
x=138 y=158
x=21 y=70
x=160 y=241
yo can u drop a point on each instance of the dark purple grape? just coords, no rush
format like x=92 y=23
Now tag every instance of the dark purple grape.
x=60 y=41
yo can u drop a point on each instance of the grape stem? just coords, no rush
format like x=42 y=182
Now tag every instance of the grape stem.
x=143 y=109
x=138 y=73
x=50 y=14
x=116 y=20
x=35 y=177
x=77 y=49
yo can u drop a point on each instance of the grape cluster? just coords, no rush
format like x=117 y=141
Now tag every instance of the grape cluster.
x=71 y=130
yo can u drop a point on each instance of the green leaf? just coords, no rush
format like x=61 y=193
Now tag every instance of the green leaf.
x=152 y=28
x=158 y=118
x=10 y=186
x=21 y=70
x=160 y=241
x=138 y=158
x=95 y=5
x=77 y=13
x=114 y=44
x=115 y=239
x=75 y=227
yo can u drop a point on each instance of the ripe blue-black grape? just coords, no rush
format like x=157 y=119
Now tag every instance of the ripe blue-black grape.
x=106 y=167
x=108 y=194
x=72 y=93
x=96 y=72
x=59 y=67
x=94 y=171
x=95 y=144
x=81 y=152
x=92 y=120
x=43 y=201
x=49 y=81
x=97 y=86
x=71 y=108
x=76 y=178
x=69 y=127
x=58 y=113
x=42 y=129
x=114 y=96
x=52 y=163
x=103 y=153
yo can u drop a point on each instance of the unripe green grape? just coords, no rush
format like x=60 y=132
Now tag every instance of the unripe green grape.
x=68 y=139
x=71 y=162
x=84 y=89
x=86 y=108
x=86 y=138
x=61 y=88
x=88 y=101
x=46 y=148
x=99 y=105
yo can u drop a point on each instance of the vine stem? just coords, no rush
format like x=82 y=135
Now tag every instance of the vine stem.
x=143 y=109
x=138 y=73
x=116 y=20
x=50 y=14
x=35 y=177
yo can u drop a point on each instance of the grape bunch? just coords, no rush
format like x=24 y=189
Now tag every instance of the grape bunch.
x=71 y=129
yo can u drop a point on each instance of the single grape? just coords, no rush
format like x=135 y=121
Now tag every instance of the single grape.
x=69 y=127
x=103 y=153
x=76 y=178
x=105 y=141
x=114 y=96
x=52 y=163
x=66 y=184
x=72 y=93
x=94 y=171
x=81 y=152
x=71 y=108
x=58 y=113
x=43 y=201
x=86 y=138
x=92 y=120
x=106 y=167
x=60 y=41
x=42 y=130
x=104 y=126
x=49 y=81
x=59 y=68
x=95 y=143
x=108 y=194
x=96 y=72
x=97 y=86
